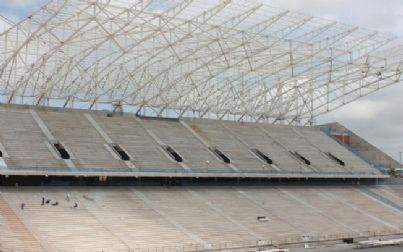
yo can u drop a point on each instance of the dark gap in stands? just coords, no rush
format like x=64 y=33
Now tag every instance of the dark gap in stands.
x=175 y=155
x=262 y=156
x=171 y=182
x=62 y=151
x=1 y=154
x=221 y=155
x=122 y=154
x=348 y=240
x=302 y=158
x=159 y=118
x=336 y=159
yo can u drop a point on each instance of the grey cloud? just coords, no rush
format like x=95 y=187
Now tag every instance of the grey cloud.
x=385 y=127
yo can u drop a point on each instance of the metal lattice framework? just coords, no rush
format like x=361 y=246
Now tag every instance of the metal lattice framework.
x=224 y=59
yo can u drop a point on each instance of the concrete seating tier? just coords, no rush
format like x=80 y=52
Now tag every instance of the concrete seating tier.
x=213 y=227
x=86 y=135
x=60 y=227
x=218 y=136
x=326 y=144
x=128 y=132
x=14 y=234
x=135 y=218
x=293 y=141
x=195 y=154
x=255 y=137
x=81 y=139
x=24 y=141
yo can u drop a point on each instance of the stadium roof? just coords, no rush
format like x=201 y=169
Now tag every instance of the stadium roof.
x=237 y=59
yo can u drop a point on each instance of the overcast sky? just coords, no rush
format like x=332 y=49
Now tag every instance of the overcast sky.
x=379 y=117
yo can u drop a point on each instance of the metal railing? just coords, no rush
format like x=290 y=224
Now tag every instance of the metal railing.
x=294 y=241
x=146 y=171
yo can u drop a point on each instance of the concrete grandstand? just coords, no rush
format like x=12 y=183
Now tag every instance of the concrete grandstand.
x=189 y=126
x=194 y=218
x=70 y=143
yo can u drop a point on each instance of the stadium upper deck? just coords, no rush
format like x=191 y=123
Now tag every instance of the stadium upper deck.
x=240 y=60
x=45 y=141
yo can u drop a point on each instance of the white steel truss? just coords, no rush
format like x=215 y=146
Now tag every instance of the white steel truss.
x=226 y=59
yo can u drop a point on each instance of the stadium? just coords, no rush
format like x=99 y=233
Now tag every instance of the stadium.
x=190 y=126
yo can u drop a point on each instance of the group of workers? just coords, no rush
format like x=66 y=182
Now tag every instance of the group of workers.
x=49 y=201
